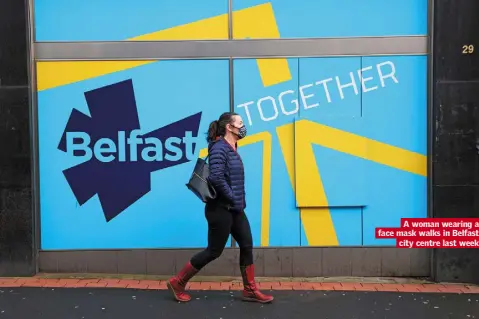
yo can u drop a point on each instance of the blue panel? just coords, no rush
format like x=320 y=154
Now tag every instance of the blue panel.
x=114 y=20
x=346 y=18
x=263 y=111
x=393 y=112
x=344 y=182
x=347 y=223
x=332 y=86
x=285 y=217
x=393 y=102
x=344 y=177
x=284 y=220
x=395 y=195
x=338 y=102
x=251 y=156
x=396 y=112
x=168 y=214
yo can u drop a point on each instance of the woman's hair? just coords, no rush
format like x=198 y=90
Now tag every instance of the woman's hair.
x=218 y=127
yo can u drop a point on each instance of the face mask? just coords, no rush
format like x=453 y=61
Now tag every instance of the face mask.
x=241 y=132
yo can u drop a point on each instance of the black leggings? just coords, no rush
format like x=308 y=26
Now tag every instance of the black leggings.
x=222 y=223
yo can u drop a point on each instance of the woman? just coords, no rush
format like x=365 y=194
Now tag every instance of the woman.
x=225 y=214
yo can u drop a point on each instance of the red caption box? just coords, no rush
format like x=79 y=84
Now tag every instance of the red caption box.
x=433 y=233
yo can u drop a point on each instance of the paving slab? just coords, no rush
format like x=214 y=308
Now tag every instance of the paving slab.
x=344 y=285
x=92 y=303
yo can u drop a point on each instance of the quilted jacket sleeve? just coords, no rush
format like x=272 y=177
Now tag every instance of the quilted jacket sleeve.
x=217 y=163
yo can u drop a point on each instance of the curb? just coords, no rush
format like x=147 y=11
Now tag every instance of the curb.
x=229 y=286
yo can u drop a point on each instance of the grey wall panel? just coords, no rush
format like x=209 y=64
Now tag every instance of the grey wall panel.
x=278 y=262
x=307 y=262
x=366 y=262
x=133 y=261
x=337 y=262
x=158 y=264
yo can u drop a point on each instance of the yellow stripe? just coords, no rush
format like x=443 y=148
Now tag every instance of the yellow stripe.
x=286 y=142
x=266 y=138
x=318 y=226
x=215 y=28
x=308 y=180
x=54 y=74
x=253 y=22
x=317 y=222
x=261 y=24
x=309 y=187
x=305 y=177
x=362 y=147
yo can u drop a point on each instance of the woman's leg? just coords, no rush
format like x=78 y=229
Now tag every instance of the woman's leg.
x=241 y=232
x=219 y=226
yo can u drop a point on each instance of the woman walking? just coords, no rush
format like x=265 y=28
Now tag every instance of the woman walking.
x=225 y=214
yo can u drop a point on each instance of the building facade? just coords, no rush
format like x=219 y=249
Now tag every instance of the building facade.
x=358 y=114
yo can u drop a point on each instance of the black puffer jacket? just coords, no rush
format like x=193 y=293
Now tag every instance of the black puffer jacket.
x=227 y=174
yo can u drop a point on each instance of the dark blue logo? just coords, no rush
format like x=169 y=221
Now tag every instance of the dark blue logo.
x=118 y=158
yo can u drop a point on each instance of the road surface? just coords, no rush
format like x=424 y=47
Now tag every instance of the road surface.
x=92 y=303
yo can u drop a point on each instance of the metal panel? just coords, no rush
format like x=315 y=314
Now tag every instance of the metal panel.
x=160 y=264
x=131 y=261
x=102 y=262
x=396 y=262
x=430 y=125
x=307 y=262
x=49 y=261
x=34 y=152
x=366 y=262
x=288 y=261
x=278 y=262
x=337 y=262
x=230 y=19
x=420 y=261
x=136 y=50
x=74 y=262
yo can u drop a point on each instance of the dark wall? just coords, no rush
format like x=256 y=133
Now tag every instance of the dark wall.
x=456 y=129
x=16 y=218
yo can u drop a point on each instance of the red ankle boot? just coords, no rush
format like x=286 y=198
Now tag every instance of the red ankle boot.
x=250 y=291
x=177 y=284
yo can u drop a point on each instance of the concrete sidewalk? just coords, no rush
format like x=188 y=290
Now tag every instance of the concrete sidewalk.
x=233 y=283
